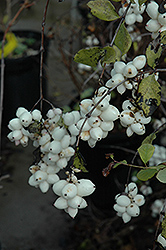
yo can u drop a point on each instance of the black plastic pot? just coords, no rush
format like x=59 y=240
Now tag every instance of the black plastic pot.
x=22 y=78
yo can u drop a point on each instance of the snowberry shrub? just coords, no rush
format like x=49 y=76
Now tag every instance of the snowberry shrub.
x=57 y=136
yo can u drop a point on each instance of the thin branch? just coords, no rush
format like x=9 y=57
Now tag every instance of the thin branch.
x=42 y=54
x=121 y=21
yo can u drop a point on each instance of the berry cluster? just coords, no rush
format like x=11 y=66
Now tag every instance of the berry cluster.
x=54 y=137
x=102 y=117
x=157 y=13
x=71 y=192
x=123 y=71
x=133 y=119
x=128 y=203
x=134 y=12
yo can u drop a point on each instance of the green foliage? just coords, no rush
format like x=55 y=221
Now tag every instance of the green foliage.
x=146 y=174
x=103 y=9
x=91 y=56
x=163 y=225
x=149 y=139
x=161 y=176
x=149 y=94
x=141 y=2
x=155 y=49
x=119 y=163
x=79 y=161
x=123 y=40
x=153 y=55
x=146 y=151
x=117 y=53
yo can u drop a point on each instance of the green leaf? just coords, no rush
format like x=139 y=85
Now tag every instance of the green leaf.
x=155 y=49
x=120 y=163
x=149 y=94
x=91 y=56
x=117 y=0
x=117 y=52
x=146 y=174
x=163 y=225
x=123 y=40
x=146 y=151
x=149 y=139
x=79 y=161
x=153 y=55
x=141 y=2
x=103 y=9
x=161 y=176
x=110 y=55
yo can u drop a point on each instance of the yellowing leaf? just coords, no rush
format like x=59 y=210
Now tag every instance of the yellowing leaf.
x=123 y=40
x=79 y=161
x=103 y=9
x=149 y=139
x=155 y=49
x=11 y=44
x=141 y=2
x=149 y=94
x=92 y=56
x=161 y=176
x=153 y=55
x=146 y=151
x=146 y=174
x=110 y=55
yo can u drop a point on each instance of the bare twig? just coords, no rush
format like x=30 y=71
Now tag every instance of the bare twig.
x=42 y=55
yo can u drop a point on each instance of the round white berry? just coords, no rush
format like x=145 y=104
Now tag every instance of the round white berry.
x=139 y=61
x=130 y=19
x=58 y=133
x=152 y=9
x=119 y=66
x=123 y=200
x=58 y=186
x=15 y=124
x=68 y=118
x=20 y=110
x=61 y=203
x=126 y=217
x=131 y=189
x=152 y=25
x=75 y=202
x=118 y=208
x=26 y=118
x=130 y=70
x=110 y=114
x=69 y=191
x=55 y=147
x=139 y=199
x=36 y=115
x=133 y=210
x=138 y=128
x=96 y=133
x=94 y=121
x=85 y=187
x=127 y=117
x=161 y=240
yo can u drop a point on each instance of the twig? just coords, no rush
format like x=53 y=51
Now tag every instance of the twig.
x=121 y=21
x=42 y=55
